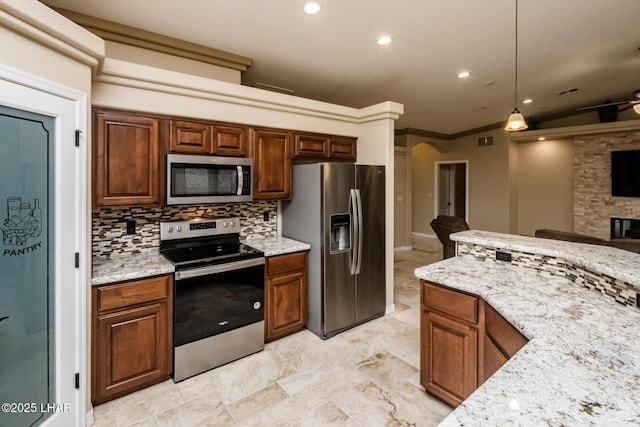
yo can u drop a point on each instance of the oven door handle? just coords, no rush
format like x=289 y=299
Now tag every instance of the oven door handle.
x=221 y=268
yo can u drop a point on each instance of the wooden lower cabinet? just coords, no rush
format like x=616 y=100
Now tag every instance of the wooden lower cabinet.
x=285 y=295
x=463 y=341
x=501 y=341
x=449 y=342
x=131 y=336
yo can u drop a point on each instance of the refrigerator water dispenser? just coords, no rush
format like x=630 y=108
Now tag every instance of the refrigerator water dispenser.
x=340 y=233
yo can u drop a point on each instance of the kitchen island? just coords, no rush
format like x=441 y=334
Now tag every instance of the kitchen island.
x=576 y=305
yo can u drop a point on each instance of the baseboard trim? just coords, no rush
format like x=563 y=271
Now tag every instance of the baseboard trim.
x=418 y=234
x=90 y=419
x=402 y=248
x=390 y=309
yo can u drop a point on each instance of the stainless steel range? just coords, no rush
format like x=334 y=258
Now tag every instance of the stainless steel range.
x=218 y=306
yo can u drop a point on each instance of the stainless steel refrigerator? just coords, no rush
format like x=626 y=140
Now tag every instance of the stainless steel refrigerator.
x=339 y=208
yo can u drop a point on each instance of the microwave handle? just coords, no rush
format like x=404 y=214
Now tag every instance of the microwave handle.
x=240 y=181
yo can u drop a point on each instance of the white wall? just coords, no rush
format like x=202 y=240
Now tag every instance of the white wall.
x=41 y=42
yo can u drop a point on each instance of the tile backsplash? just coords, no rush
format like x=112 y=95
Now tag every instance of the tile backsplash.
x=109 y=225
x=621 y=291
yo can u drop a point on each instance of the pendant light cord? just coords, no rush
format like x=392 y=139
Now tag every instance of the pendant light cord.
x=515 y=101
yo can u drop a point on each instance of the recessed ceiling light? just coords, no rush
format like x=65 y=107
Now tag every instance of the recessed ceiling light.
x=527 y=101
x=384 y=40
x=463 y=75
x=312 y=8
x=541 y=138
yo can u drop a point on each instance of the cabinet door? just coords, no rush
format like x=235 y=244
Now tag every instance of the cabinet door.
x=133 y=350
x=230 y=141
x=126 y=160
x=272 y=165
x=449 y=358
x=287 y=299
x=310 y=146
x=190 y=137
x=506 y=338
x=493 y=358
x=343 y=148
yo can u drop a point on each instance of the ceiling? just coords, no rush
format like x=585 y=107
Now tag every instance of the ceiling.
x=333 y=56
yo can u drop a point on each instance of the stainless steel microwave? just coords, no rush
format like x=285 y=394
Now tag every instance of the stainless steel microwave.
x=208 y=179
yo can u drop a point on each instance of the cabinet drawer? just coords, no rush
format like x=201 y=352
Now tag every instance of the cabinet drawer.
x=121 y=295
x=506 y=337
x=448 y=301
x=284 y=263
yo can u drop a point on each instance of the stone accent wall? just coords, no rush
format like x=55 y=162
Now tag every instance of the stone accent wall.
x=109 y=227
x=593 y=205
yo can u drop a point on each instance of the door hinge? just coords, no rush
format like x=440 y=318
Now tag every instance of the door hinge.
x=77 y=259
x=78 y=132
x=77 y=380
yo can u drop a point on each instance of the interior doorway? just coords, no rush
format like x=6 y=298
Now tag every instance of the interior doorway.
x=451 y=187
x=43 y=217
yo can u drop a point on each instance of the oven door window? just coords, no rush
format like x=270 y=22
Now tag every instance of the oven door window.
x=213 y=304
x=203 y=180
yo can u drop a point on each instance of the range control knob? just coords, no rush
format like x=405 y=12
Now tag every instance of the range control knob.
x=178 y=228
x=170 y=229
x=224 y=224
x=232 y=223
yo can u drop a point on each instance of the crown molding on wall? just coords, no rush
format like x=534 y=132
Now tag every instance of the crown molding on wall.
x=45 y=26
x=132 y=36
x=571 y=131
x=445 y=136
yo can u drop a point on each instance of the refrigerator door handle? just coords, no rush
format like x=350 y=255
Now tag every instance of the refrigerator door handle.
x=355 y=230
x=359 y=224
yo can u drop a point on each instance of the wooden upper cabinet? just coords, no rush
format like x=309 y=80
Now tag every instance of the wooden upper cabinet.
x=343 y=148
x=230 y=140
x=272 y=164
x=310 y=146
x=316 y=146
x=190 y=137
x=126 y=161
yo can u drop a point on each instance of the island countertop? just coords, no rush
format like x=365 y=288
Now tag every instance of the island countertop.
x=582 y=363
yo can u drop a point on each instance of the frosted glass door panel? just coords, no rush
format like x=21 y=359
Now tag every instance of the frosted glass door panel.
x=27 y=300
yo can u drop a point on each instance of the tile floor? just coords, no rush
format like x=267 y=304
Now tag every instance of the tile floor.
x=367 y=376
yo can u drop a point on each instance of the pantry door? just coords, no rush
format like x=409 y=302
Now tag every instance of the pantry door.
x=40 y=288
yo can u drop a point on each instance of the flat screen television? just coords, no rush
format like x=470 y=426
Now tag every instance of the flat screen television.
x=625 y=173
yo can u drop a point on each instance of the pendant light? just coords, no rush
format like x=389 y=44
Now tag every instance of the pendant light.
x=516 y=120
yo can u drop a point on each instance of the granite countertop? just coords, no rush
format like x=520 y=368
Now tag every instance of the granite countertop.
x=118 y=268
x=582 y=363
x=272 y=246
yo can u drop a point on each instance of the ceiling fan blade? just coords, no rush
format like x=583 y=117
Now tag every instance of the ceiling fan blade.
x=602 y=105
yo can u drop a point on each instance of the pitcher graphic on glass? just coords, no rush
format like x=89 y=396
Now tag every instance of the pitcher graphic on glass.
x=22 y=221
